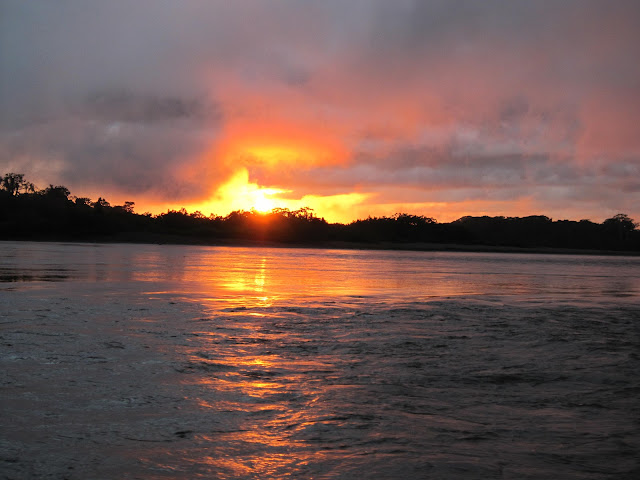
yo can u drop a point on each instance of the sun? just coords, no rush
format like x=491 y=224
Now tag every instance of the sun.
x=239 y=193
x=262 y=203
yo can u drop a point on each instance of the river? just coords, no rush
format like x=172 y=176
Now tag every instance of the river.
x=186 y=362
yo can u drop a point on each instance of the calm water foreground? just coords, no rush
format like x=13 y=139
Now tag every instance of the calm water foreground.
x=154 y=362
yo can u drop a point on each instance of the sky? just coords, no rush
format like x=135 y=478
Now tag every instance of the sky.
x=356 y=108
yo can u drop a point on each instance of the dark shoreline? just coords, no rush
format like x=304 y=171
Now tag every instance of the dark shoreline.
x=54 y=215
x=168 y=239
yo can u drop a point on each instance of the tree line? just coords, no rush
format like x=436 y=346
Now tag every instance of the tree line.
x=53 y=213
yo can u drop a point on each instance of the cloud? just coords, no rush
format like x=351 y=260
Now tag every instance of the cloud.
x=524 y=104
x=119 y=141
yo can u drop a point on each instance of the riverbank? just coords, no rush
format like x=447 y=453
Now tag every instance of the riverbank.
x=174 y=239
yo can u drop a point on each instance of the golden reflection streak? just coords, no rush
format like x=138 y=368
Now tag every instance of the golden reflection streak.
x=246 y=276
x=246 y=281
x=268 y=394
x=261 y=446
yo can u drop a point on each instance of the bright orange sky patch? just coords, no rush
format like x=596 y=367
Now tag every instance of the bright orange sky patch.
x=273 y=146
x=239 y=193
x=247 y=148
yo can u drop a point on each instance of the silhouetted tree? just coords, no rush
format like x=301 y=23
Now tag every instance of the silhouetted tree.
x=622 y=221
x=59 y=192
x=82 y=201
x=620 y=225
x=100 y=205
x=14 y=183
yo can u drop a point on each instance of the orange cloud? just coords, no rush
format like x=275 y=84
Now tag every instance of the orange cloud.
x=269 y=146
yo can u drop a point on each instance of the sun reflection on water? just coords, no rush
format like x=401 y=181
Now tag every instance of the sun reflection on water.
x=243 y=369
x=261 y=278
x=263 y=360
x=268 y=393
x=244 y=277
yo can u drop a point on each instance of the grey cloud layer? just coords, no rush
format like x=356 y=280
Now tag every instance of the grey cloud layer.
x=499 y=94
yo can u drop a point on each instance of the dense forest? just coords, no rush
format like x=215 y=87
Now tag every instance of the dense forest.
x=28 y=213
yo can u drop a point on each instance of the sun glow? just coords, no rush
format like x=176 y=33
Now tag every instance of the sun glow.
x=274 y=155
x=263 y=203
x=278 y=145
x=239 y=193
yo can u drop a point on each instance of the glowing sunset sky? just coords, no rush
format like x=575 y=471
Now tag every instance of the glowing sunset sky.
x=442 y=108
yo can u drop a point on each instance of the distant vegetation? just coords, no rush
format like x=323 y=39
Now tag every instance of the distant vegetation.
x=52 y=213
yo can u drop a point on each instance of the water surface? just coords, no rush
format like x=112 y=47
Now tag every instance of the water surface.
x=146 y=361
